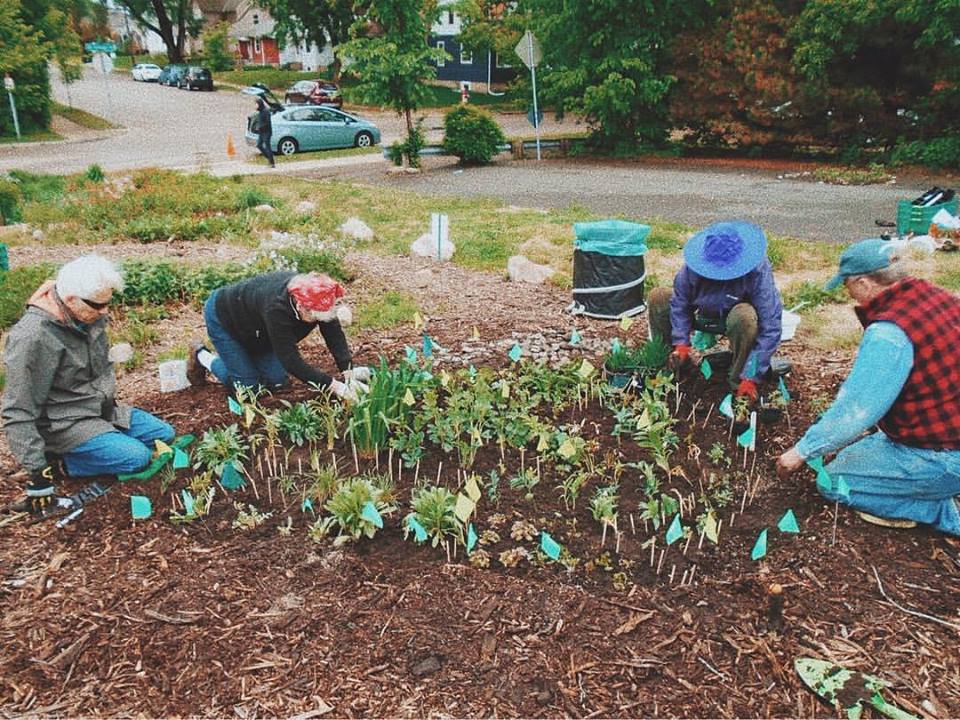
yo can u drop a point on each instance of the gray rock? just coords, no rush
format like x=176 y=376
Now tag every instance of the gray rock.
x=305 y=207
x=426 y=246
x=520 y=269
x=264 y=208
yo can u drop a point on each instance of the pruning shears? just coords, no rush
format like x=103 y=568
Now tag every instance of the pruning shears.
x=847 y=689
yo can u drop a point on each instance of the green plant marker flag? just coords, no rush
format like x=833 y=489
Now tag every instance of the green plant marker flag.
x=703 y=340
x=472 y=372
x=626 y=323
x=824 y=480
x=575 y=337
x=615 y=346
x=180 y=459
x=675 y=531
x=234 y=406
x=187 y=501
x=843 y=490
x=471 y=538
x=411 y=355
x=706 y=369
x=751 y=368
x=551 y=548
x=140 y=507
x=370 y=514
x=788 y=523
x=745 y=439
x=408 y=398
x=418 y=532
x=427 y=346
x=515 y=352
x=231 y=479
x=783 y=390
x=307 y=504
x=760 y=547
x=726 y=406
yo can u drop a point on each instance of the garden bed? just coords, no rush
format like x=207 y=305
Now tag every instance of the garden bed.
x=114 y=616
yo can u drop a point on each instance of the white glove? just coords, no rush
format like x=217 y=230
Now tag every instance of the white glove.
x=344 y=315
x=344 y=391
x=360 y=373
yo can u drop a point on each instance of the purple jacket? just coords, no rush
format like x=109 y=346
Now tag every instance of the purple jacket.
x=694 y=293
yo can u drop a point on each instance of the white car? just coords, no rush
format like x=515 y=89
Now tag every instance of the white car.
x=146 y=72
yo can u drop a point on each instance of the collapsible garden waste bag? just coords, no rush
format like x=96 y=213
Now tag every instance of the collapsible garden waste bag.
x=608 y=269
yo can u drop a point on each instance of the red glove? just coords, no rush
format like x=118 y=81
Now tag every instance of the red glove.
x=682 y=352
x=748 y=388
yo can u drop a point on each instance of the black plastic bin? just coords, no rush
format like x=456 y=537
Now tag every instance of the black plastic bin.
x=608 y=269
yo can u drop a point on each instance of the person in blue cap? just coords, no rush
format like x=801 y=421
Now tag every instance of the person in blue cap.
x=724 y=288
x=906 y=380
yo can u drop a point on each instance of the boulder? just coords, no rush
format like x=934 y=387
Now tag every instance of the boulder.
x=305 y=207
x=520 y=269
x=356 y=229
x=422 y=278
x=426 y=246
x=38 y=235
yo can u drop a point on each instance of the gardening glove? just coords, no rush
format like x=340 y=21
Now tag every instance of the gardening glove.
x=344 y=391
x=40 y=490
x=748 y=389
x=361 y=373
x=679 y=357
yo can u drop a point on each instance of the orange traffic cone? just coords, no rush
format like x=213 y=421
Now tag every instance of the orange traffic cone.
x=231 y=150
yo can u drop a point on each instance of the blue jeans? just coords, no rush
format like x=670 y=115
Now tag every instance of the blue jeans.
x=263 y=145
x=235 y=365
x=117 y=452
x=895 y=481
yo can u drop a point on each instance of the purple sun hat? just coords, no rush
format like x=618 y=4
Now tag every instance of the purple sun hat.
x=726 y=250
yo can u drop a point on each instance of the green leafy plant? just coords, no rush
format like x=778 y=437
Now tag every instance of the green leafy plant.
x=300 y=423
x=202 y=502
x=433 y=508
x=347 y=504
x=621 y=359
x=383 y=406
x=94 y=173
x=525 y=480
x=249 y=517
x=653 y=354
x=472 y=135
x=219 y=447
x=603 y=506
x=718 y=455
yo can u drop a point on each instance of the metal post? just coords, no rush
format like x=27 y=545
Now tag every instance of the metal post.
x=106 y=84
x=533 y=75
x=13 y=111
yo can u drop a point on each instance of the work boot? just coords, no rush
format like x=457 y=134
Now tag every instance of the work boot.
x=196 y=373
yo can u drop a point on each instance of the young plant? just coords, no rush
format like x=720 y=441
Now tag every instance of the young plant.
x=347 y=506
x=571 y=486
x=653 y=354
x=603 y=506
x=383 y=406
x=249 y=518
x=202 y=501
x=621 y=360
x=219 y=447
x=526 y=481
x=718 y=455
x=300 y=423
x=324 y=485
x=433 y=507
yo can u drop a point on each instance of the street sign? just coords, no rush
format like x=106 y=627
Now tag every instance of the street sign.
x=535 y=119
x=528 y=50
x=103 y=63
x=106 y=47
x=8 y=83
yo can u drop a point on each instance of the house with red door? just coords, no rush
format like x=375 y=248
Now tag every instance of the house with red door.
x=254 y=32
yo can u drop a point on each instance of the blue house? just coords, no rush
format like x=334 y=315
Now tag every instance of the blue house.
x=464 y=65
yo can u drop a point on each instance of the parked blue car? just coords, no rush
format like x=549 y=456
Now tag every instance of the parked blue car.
x=309 y=127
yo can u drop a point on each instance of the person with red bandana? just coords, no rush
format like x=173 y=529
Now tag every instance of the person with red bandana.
x=906 y=380
x=255 y=326
x=725 y=287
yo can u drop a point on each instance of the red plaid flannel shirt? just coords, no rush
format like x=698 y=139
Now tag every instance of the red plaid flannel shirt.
x=926 y=414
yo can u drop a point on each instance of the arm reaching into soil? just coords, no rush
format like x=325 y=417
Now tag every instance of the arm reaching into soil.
x=878 y=375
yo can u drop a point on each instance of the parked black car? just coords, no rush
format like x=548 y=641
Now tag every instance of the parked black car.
x=171 y=74
x=196 y=77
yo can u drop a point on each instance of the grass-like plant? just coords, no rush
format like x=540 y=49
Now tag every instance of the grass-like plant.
x=433 y=508
x=383 y=406
x=219 y=447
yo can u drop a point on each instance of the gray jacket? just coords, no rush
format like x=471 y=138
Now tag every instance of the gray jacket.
x=61 y=387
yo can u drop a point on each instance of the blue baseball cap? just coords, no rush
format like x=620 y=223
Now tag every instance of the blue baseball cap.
x=862 y=257
x=726 y=250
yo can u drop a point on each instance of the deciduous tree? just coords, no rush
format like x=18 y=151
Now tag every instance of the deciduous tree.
x=315 y=21
x=172 y=20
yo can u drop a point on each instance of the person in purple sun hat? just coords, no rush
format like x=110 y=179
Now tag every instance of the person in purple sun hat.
x=725 y=287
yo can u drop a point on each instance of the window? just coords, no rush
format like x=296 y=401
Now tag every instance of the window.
x=466 y=56
x=450 y=17
x=501 y=63
x=257 y=45
x=443 y=46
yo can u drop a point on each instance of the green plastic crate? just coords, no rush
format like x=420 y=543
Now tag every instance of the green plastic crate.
x=916 y=219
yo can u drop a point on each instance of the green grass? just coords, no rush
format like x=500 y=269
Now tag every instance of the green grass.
x=318 y=155
x=39 y=188
x=873 y=174
x=16 y=287
x=390 y=309
x=35 y=136
x=82 y=117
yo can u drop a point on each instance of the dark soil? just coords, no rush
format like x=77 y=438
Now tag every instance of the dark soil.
x=115 y=617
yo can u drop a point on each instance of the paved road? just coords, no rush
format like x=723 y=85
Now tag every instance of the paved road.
x=168 y=127
x=680 y=192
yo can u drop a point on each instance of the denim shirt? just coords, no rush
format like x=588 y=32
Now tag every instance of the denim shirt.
x=693 y=293
x=883 y=365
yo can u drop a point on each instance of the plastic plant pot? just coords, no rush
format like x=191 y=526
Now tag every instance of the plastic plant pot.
x=618 y=379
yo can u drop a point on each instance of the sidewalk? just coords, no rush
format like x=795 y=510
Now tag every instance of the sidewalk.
x=240 y=166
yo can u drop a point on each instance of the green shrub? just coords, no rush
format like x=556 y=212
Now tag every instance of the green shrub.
x=941 y=152
x=10 y=197
x=327 y=262
x=250 y=197
x=472 y=135
x=410 y=147
x=16 y=287
x=39 y=188
x=94 y=173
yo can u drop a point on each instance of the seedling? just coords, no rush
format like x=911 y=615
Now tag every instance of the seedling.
x=300 y=423
x=347 y=507
x=199 y=507
x=718 y=455
x=219 y=447
x=249 y=518
x=526 y=480
x=603 y=507
x=433 y=508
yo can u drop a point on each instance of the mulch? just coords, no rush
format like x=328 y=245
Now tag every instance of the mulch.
x=116 y=617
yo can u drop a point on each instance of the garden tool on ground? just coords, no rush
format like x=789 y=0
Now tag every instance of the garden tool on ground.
x=847 y=689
